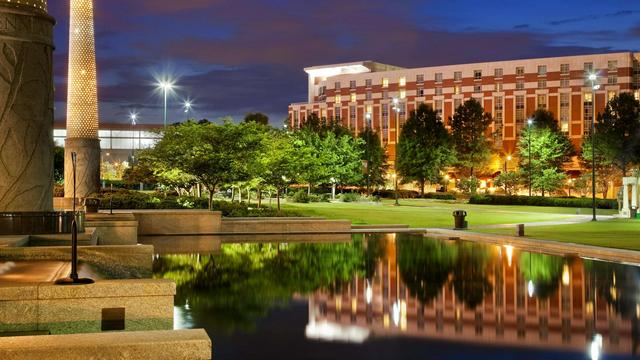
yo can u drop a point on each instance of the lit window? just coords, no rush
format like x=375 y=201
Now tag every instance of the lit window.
x=403 y=94
x=542 y=70
x=520 y=110
x=337 y=113
x=498 y=87
x=338 y=99
x=438 y=109
x=519 y=84
x=611 y=95
x=588 y=112
x=498 y=109
x=565 y=101
x=612 y=65
x=564 y=69
x=612 y=79
x=498 y=72
x=520 y=71
x=457 y=89
x=636 y=94
x=438 y=77
x=353 y=97
x=477 y=74
x=588 y=97
x=542 y=101
x=588 y=67
x=457 y=76
x=385 y=82
x=420 y=78
x=352 y=117
x=542 y=84
x=403 y=81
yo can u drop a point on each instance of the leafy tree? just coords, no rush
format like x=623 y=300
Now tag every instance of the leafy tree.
x=543 y=270
x=375 y=157
x=257 y=117
x=543 y=119
x=58 y=164
x=548 y=181
x=213 y=154
x=424 y=148
x=606 y=171
x=141 y=172
x=510 y=181
x=469 y=185
x=279 y=162
x=618 y=132
x=469 y=126
x=470 y=278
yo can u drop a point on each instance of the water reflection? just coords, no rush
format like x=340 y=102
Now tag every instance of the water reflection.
x=382 y=285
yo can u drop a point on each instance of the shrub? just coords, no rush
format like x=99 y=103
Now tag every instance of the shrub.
x=391 y=194
x=542 y=201
x=439 y=196
x=349 y=197
x=300 y=196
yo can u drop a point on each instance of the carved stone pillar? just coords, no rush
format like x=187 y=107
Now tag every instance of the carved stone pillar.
x=634 y=194
x=26 y=107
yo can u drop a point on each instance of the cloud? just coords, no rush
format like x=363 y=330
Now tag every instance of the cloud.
x=593 y=17
x=521 y=26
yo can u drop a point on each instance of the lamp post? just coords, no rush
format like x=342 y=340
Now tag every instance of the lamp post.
x=133 y=117
x=396 y=109
x=593 y=78
x=506 y=167
x=165 y=86
x=395 y=182
x=529 y=123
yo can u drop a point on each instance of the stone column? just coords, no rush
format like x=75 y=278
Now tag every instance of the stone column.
x=26 y=107
x=634 y=195
x=625 y=198
x=82 y=103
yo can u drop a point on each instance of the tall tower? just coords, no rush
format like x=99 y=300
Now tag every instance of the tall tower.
x=82 y=103
x=26 y=106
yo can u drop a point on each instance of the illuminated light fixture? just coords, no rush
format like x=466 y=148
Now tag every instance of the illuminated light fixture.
x=165 y=86
x=595 y=348
x=509 y=250
x=593 y=77
x=187 y=106
x=368 y=293
x=133 y=116
x=529 y=121
x=395 y=313
x=530 y=288
x=566 y=278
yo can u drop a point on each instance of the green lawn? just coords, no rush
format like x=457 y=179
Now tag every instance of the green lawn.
x=434 y=213
x=619 y=233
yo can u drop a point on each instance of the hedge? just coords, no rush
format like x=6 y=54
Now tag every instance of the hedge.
x=126 y=199
x=542 y=201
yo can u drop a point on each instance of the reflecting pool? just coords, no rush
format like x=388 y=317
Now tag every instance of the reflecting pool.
x=401 y=296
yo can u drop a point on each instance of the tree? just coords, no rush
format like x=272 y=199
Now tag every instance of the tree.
x=424 y=148
x=606 y=171
x=213 y=154
x=58 y=164
x=278 y=162
x=469 y=126
x=257 y=117
x=375 y=157
x=510 y=181
x=543 y=119
x=618 y=132
x=548 y=181
x=549 y=150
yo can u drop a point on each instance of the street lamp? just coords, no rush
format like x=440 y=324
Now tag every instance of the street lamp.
x=133 y=116
x=506 y=167
x=593 y=78
x=166 y=86
x=188 y=106
x=529 y=123
x=395 y=181
x=396 y=109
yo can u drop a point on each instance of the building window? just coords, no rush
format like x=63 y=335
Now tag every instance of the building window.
x=520 y=71
x=438 y=109
x=520 y=117
x=337 y=85
x=588 y=112
x=612 y=79
x=368 y=114
x=385 y=82
x=519 y=84
x=477 y=74
x=367 y=83
x=612 y=65
x=352 y=117
x=438 y=77
x=542 y=101
x=497 y=72
x=403 y=94
x=457 y=89
x=498 y=107
x=564 y=69
x=438 y=90
x=588 y=67
x=352 y=84
x=353 y=97
x=611 y=94
x=385 y=94
x=420 y=78
x=542 y=84
x=403 y=81
x=542 y=70
x=420 y=92
x=456 y=104
x=564 y=83
x=338 y=99
x=337 y=115
x=457 y=76
x=368 y=95
x=498 y=87
x=565 y=101
x=477 y=88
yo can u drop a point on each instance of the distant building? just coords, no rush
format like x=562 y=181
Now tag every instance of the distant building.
x=117 y=141
x=362 y=93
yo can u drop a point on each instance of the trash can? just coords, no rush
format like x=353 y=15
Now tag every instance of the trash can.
x=459 y=219
x=91 y=205
x=633 y=213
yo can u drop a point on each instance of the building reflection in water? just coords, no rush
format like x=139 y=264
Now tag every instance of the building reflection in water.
x=468 y=292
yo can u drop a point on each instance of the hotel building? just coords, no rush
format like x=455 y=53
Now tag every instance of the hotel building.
x=383 y=96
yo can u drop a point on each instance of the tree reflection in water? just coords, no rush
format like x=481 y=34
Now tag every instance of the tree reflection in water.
x=545 y=271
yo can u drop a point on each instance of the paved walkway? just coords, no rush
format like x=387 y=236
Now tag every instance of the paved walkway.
x=576 y=219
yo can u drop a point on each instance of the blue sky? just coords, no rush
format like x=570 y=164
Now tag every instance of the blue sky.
x=237 y=56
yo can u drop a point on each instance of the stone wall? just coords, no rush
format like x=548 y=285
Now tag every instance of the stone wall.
x=26 y=109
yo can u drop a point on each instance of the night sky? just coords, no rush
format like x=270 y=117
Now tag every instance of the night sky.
x=236 y=56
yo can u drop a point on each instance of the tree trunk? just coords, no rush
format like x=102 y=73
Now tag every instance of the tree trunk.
x=249 y=196
x=233 y=193
x=309 y=189
x=211 y=197
x=278 y=197
x=422 y=182
x=259 y=198
x=199 y=190
x=239 y=194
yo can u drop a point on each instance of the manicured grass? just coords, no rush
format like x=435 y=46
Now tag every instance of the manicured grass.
x=434 y=213
x=618 y=233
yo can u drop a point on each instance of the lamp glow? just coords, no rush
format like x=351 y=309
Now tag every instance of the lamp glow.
x=566 y=278
x=592 y=77
x=530 y=288
x=368 y=293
